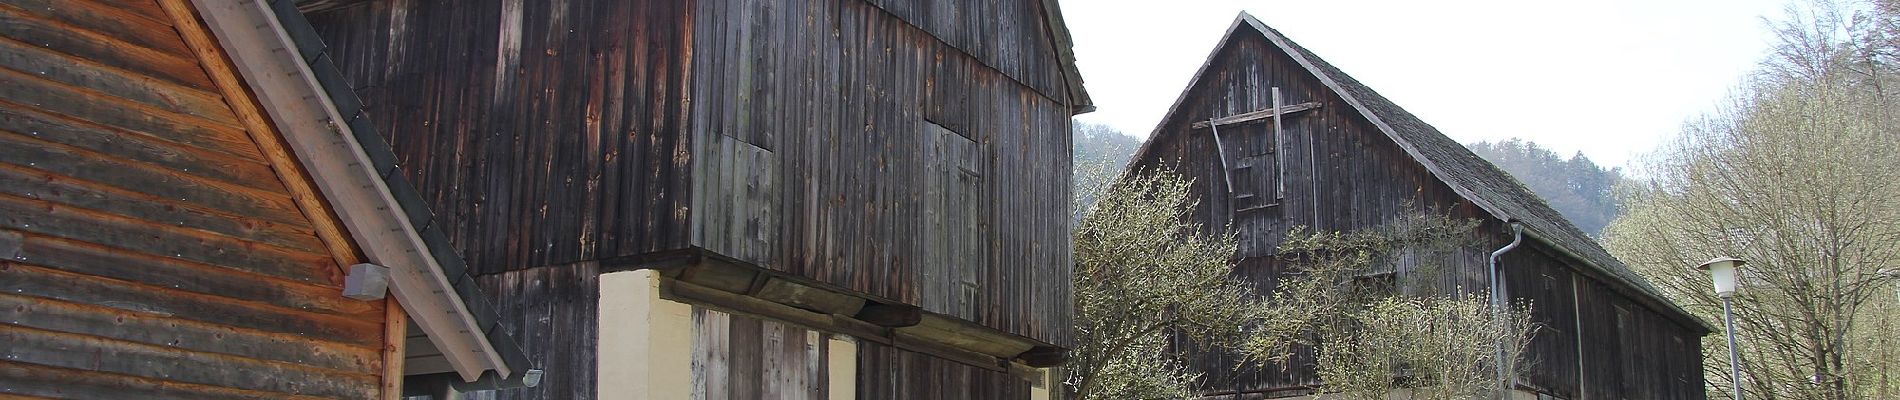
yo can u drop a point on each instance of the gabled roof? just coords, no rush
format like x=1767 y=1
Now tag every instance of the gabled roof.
x=1065 y=48
x=1473 y=178
x=317 y=113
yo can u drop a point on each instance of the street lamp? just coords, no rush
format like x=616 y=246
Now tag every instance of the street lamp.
x=1722 y=271
x=1894 y=274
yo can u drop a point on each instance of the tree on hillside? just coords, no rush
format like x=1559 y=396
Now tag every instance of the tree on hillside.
x=1099 y=153
x=1576 y=187
x=1144 y=272
x=1798 y=176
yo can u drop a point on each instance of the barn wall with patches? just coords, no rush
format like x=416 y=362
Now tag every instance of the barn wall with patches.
x=835 y=141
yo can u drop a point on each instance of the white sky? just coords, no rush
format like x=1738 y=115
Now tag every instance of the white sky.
x=1610 y=78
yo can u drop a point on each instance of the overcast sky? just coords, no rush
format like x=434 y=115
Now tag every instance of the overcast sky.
x=1610 y=78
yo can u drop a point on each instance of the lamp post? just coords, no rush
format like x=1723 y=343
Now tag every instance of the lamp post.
x=1722 y=270
x=1894 y=274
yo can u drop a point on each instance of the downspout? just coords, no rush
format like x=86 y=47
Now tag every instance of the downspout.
x=1498 y=306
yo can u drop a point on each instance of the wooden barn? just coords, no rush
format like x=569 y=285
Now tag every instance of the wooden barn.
x=523 y=199
x=738 y=199
x=186 y=212
x=1275 y=137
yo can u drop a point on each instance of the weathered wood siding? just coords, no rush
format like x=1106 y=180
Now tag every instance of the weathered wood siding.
x=546 y=134
x=1010 y=37
x=554 y=312
x=886 y=372
x=1533 y=276
x=1342 y=173
x=738 y=357
x=147 y=247
x=542 y=133
x=1632 y=353
x=837 y=141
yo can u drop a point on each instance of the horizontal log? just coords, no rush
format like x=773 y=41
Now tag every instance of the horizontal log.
x=179 y=68
x=103 y=19
x=44 y=282
x=65 y=350
x=54 y=158
x=139 y=147
x=147 y=9
x=155 y=240
x=31 y=92
x=91 y=259
x=20 y=182
x=1257 y=115
x=75 y=383
x=39 y=313
x=83 y=73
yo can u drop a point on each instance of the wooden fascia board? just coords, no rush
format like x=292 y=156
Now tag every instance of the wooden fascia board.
x=308 y=121
x=1064 y=44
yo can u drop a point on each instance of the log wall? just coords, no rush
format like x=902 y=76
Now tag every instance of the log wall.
x=148 y=247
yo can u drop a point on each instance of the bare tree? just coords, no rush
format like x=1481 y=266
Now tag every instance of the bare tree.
x=1143 y=272
x=1373 y=341
x=1800 y=175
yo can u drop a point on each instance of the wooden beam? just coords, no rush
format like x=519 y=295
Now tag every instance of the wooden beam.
x=807 y=297
x=891 y=315
x=742 y=305
x=1044 y=356
x=395 y=348
x=1257 y=115
x=1279 y=162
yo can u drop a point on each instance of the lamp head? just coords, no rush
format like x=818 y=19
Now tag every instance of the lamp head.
x=1722 y=270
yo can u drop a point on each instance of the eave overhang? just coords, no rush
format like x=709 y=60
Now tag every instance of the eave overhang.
x=312 y=107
